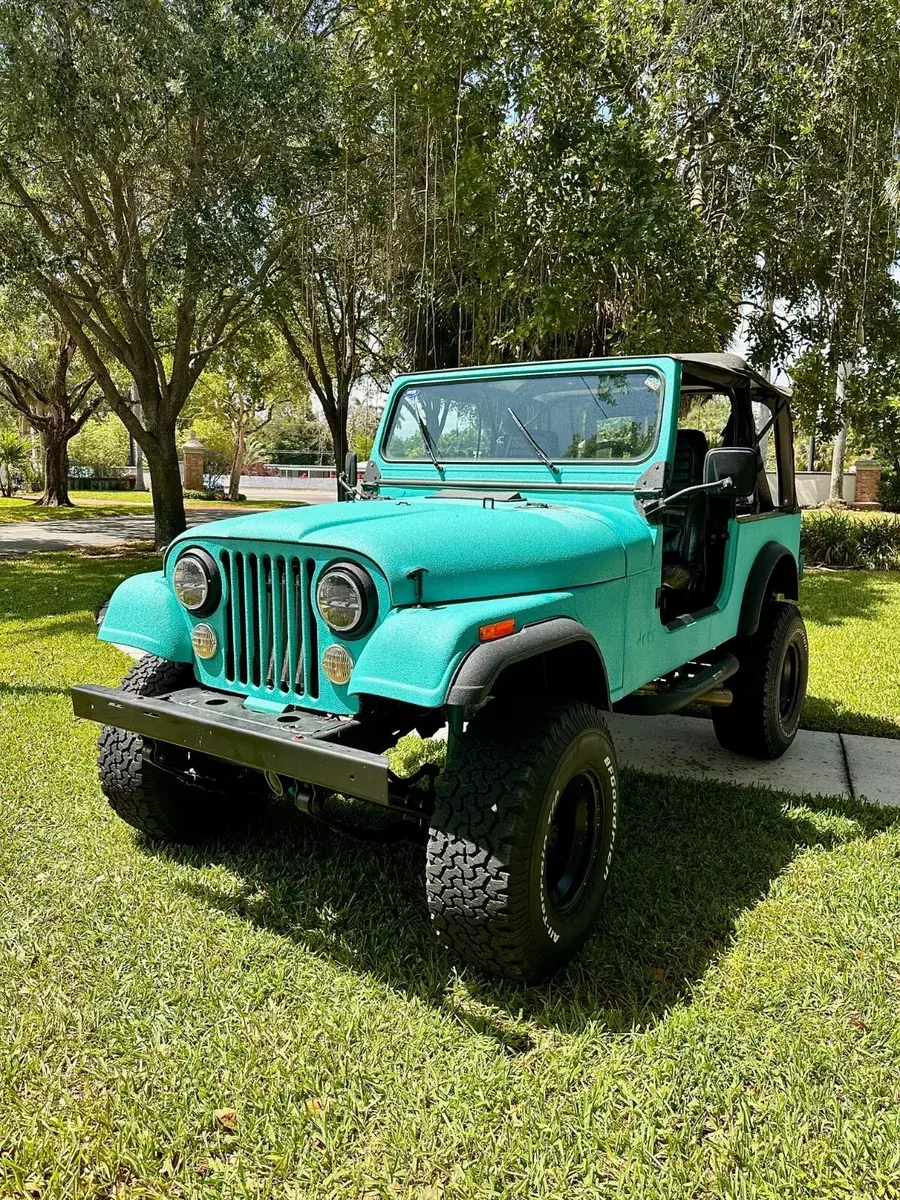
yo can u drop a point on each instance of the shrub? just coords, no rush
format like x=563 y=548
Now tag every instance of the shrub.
x=838 y=539
x=204 y=494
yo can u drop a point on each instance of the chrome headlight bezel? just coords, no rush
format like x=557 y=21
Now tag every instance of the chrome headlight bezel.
x=363 y=586
x=211 y=576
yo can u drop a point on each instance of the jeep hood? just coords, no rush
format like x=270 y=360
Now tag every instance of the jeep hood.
x=466 y=549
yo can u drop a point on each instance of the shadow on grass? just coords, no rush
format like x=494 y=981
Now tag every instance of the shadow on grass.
x=30 y=689
x=692 y=857
x=832 y=716
x=53 y=585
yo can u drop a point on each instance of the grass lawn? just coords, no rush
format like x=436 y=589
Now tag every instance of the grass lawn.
x=853 y=618
x=115 y=504
x=730 y=1031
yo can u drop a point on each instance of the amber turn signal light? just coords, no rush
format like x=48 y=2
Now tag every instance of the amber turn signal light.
x=499 y=629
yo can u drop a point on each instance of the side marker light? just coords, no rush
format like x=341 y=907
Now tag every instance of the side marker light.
x=499 y=629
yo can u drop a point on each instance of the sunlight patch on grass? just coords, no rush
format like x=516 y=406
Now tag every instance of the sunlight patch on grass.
x=853 y=619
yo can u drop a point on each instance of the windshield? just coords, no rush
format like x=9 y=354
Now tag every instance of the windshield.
x=605 y=415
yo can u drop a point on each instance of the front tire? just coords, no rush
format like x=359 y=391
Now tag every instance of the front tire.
x=522 y=837
x=770 y=687
x=160 y=803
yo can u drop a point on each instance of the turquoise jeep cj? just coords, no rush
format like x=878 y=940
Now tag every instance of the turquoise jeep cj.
x=531 y=546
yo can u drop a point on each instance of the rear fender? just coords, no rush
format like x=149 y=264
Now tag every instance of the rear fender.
x=774 y=571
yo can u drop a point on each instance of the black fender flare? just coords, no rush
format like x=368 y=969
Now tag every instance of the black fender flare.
x=478 y=672
x=774 y=559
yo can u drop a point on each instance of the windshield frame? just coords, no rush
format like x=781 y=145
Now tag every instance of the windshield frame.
x=526 y=372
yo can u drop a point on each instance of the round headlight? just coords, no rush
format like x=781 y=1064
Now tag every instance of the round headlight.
x=196 y=582
x=346 y=600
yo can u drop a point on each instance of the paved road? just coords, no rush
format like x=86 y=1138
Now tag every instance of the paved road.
x=28 y=537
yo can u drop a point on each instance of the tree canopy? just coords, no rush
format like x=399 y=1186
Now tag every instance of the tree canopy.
x=146 y=155
x=413 y=184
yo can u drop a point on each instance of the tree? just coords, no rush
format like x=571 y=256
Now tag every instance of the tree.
x=42 y=379
x=784 y=119
x=102 y=444
x=251 y=379
x=13 y=461
x=295 y=435
x=362 y=426
x=150 y=159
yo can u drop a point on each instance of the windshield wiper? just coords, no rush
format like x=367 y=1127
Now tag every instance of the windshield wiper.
x=426 y=435
x=538 y=449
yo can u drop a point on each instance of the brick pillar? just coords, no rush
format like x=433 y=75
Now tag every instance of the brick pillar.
x=868 y=477
x=193 y=451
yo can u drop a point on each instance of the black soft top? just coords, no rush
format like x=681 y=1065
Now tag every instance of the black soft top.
x=726 y=370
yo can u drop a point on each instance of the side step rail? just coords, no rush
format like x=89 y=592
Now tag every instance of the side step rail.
x=685 y=686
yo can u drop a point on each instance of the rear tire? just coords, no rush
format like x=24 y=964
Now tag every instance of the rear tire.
x=159 y=803
x=522 y=837
x=770 y=687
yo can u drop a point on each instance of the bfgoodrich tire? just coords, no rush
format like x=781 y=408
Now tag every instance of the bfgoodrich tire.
x=770 y=687
x=160 y=803
x=522 y=837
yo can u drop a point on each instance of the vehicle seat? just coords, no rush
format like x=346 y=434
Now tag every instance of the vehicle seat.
x=684 y=540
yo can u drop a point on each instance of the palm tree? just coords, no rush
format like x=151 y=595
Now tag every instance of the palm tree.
x=13 y=461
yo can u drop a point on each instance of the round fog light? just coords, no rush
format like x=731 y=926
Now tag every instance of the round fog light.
x=337 y=664
x=204 y=641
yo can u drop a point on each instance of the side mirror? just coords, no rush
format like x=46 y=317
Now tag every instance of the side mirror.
x=351 y=469
x=737 y=463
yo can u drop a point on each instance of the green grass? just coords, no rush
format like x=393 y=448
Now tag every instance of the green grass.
x=116 y=504
x=853 y=619
x=730 y=1031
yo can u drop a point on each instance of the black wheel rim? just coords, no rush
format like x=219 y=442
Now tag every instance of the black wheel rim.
x=572 y=841
x=789 y=684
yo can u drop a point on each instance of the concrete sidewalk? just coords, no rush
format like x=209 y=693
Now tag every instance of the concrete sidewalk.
x=827 y=764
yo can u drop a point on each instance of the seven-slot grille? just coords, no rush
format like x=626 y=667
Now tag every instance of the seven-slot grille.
x=270 y=632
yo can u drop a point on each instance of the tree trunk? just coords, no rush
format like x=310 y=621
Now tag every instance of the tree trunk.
x=836 y=492
x=237 y=466
x=337 y=423
x=56 y=469
x=165 y=483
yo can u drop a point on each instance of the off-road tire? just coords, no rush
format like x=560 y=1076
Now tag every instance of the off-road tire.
x=154 y=801
x=763 y=718
x=487 y=855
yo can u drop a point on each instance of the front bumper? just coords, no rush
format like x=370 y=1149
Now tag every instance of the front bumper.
x=209 y=722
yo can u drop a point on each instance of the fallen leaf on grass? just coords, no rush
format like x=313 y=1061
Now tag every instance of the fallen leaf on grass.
x=228 y=1118
x=314 y=1104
